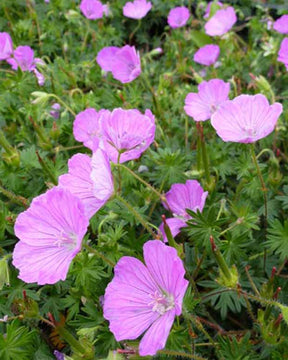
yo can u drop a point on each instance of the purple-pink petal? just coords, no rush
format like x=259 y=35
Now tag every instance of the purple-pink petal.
x=283 y=52
x=92 y=9
x=23 y=57
x=246 y=119
x=210 y=95
x=137 y=9
x=156 y=336
x=175 y=224
x=6 y=46
x=127 y=301
x=90 y=180
x=221 y=22
x=50 y=233
x=178 y=17
x=106 y=57
x=207 y=55
x=86 y=127
x=126 y=64
x=186 y=196
x=146 y=297
x=281 y=24
x=127 y=132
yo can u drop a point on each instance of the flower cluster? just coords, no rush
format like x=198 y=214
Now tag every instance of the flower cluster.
x=22 y=57
x=143 y=297
x=120 y=135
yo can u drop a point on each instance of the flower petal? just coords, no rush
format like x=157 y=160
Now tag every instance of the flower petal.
x=156 y=336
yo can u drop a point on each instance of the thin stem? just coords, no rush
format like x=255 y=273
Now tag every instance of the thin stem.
x=20 y=200
x=220 y=260
x=67 y=336
x=62 y=148
x=162 y=197
x=63 y=103
x=254 y=287
x=47 y=321
x=3 y=141
x=204 y=152
x=134 y=31
x=135 y=213
x=155 y=99
x=100 y=255
x=181 y=354
x=119 y=172
x=196 y=271
x=264 y=189
x=229 y=228
x=46 y=169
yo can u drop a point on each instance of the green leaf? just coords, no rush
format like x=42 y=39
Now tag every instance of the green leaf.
x=17 y=343
x=199 y=38
x=277 y=238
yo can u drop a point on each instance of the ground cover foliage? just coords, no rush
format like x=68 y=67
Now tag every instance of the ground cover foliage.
x=239 y=315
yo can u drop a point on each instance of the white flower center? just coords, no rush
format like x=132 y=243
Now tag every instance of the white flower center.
x=161 y=302
x=250 y=131
x=68 y=240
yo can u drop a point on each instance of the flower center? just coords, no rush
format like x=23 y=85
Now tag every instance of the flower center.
x=250 y=131
x=161 y=302
x=67 y=240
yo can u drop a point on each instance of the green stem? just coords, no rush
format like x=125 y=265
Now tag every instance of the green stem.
x=5 y=144
x=135 y=213
x=100 y=255
x=156 y=103
x=181 y=354
x=264 y=189
x=70 y=339
x=196 y=271
x=220 y=260
x=20 y=200
x=162 y=197
x=119 y=173
x=204 y=152
x=63 y=103
x=46 y=169
x=134 y=31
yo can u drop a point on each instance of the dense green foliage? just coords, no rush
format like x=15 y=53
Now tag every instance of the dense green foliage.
x=222 y=320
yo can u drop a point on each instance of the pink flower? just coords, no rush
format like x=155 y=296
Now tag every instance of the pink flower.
x=221 y=22
x=178 y=17
x=210 y=95
x=124 y=63
x=92 y=9
x=283 y=52
x=127 y=133
x=146 y=297
x=6 y=46
x=281 y=24
x=106 y=57
x=90 y=180
x=207 y=55
x=208 y=8
x=50 y=233
x=246 y=119
x=87 y=129
x=137 y=9
x=179 y=198
x=23 y=57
